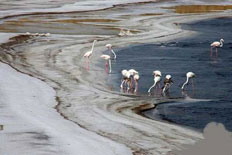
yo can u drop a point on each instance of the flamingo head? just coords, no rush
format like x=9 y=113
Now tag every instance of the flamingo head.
x=221 y=40
x=168 y=77
x=191 y=75
x=156 y=73
x=108 y=46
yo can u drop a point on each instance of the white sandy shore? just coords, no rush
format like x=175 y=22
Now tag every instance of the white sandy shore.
x=33 y=126
x=104 y=120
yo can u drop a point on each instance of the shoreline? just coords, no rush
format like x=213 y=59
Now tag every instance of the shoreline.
x=113 y=107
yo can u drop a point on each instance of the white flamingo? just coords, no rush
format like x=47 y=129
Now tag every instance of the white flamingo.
x=88 y=54
x=109 y=46
x=157 y=78
x=107 y=59
x=167 y=83
x=125 y=77
x=132 y=73
x=189 y=75
x=216 y=44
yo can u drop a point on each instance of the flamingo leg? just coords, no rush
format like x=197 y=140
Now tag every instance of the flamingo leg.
x=110 y=65
x=192 y=84
x=216 y=52
x=106 y=67
x=131 y=83
x=211 y=53
x=123 y=81
x=136 y=86
x=88 y=61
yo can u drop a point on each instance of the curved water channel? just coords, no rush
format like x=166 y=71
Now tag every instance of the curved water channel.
x=213 y=74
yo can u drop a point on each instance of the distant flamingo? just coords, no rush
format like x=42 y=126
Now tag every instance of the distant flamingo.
x=125 y=78
x=132 y=73
x=109 y=46
x=216 y=44
x=88 y=54
x=157 y=78
x=107 y=59
x=167 y=83
x=189 y=75
x=136 y=79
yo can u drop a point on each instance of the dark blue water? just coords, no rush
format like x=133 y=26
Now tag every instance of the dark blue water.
x=213 y=74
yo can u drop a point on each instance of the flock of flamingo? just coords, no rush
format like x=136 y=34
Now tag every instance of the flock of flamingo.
x=131 y=77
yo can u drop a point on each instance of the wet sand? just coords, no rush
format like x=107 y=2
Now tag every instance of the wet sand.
x=83 y=97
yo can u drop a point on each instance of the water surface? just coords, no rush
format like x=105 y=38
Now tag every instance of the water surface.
x=177 y=57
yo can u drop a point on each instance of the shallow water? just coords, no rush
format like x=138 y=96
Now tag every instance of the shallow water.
x=177 y=57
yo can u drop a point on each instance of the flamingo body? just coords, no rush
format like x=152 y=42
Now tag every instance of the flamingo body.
x=107 y=58
x=216 y=44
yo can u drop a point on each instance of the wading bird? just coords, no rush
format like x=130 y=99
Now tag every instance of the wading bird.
x=189 y=75
x=88 y=54
x=136 y=80
x=157 y=79
x=132 y=73
x=125 y=79
x=167 y=83
x=109 y=46
x=216 y=44
x=107 y=60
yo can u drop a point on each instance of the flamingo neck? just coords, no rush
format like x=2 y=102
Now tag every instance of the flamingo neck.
x=221 y=43
x=93 y=46
x=113 y=53
x=187 y=81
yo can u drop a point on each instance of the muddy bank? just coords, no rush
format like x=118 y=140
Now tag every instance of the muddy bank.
x=84 y=97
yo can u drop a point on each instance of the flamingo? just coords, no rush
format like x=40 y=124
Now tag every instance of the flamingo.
x=88 y=54
x=132 y=73
x=107 y=58
x=109 y=46
x=167 y=83
x=125 y=77
x=189 y=75
x=136 y=79
x=216 y=44
x=157 y=78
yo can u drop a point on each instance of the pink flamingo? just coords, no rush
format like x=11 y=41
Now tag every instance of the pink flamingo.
x=216 y=44
x=109 y=46
x=88 y=54
x=107 y=59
